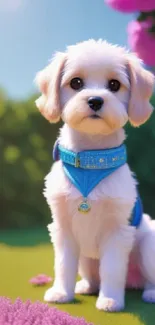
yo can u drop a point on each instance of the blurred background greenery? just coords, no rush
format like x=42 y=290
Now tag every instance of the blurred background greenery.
x=26 y=142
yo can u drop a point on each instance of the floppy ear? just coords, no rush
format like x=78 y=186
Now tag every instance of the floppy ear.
x=142 y=82
x=48 y=82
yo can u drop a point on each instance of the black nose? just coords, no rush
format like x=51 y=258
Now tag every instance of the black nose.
x=95 y=103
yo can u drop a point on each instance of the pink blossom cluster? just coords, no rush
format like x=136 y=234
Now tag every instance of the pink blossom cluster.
x=132 y=5
x=40 y=279
x=28 y=313
x=141 y=41
x=141 y=33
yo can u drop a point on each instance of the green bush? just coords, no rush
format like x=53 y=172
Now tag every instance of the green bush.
x=141 y=154
x=26 y=141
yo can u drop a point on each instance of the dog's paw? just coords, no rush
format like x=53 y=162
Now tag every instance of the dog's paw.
x=109 y=304
x=149 y=296
x=84 y=288
x=56 y=296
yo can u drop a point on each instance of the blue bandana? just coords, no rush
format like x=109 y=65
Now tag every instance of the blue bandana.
x=87 y=168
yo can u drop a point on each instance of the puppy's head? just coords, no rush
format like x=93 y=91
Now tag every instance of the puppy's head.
x=95 y=87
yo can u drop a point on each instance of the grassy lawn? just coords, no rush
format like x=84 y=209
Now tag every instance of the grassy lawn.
x=24 y=254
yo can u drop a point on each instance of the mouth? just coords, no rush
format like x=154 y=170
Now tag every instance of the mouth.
x=95 y=116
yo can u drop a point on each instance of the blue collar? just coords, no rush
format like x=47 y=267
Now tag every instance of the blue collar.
x=94 y=159
x=86 y=169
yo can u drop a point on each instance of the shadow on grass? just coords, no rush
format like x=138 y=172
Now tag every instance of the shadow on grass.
x=76 y=301
x=134 y=305
x=26 y=237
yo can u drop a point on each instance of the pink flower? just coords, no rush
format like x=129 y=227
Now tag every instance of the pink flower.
x=40 y=279
x=28 y=313
x=132 y=5
x=142 y=41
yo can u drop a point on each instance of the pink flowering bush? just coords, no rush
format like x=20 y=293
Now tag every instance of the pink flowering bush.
x=132 y=5
x=40 y=279
x=27 y=313
x=142 y=41
x=141 y=33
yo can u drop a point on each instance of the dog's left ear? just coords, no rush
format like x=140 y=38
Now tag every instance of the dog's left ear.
x=142 y=83
x=48 y=82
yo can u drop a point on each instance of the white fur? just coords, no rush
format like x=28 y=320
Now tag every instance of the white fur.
x=101 y=241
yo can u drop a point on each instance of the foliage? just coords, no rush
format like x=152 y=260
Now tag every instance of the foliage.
x=141 y=158
x=26 y=142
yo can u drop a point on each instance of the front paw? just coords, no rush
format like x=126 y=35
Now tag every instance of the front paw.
x=57 y=296
x=109 y=304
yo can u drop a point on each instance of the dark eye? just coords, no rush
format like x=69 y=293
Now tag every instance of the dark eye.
x=114 y=85
x=77 y=83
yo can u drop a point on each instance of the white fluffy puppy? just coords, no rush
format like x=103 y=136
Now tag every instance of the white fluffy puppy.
x=96 y=87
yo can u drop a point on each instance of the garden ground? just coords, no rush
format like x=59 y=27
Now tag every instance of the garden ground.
x=24 y=254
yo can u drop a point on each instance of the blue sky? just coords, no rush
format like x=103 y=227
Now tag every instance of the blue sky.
x=31 y=30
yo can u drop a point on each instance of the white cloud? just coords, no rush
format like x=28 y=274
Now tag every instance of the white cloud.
x=10 y=5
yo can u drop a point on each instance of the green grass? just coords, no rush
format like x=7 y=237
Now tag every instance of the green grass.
x=24 y=254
